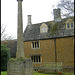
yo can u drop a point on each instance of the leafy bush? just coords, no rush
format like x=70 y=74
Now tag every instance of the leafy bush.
x=5 y=55
x=51 y=68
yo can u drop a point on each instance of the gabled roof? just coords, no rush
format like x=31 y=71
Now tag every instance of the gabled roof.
x=32 y=32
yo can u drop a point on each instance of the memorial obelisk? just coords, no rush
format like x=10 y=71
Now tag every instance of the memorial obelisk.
x=20 y=49
x=20 y=65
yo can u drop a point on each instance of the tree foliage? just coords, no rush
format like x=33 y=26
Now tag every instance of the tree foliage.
x=54 y=28
x=12 y=45
x=67 y=7
x=5 y=55
x=3 y=29
x=5 y=36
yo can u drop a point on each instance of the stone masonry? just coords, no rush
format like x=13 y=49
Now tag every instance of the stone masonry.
x=64 y=48
x=20 y=49
x=20 y=66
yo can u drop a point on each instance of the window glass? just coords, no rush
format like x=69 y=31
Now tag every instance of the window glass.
x=45 y=29
x=39 y=59
x=41 y=29
x=35 y=44
x=32 y=58
x=68 y=25
x=71 y=25
x=38 y=44
x=36 y=58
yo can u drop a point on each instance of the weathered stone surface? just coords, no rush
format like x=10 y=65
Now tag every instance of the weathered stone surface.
x=64 y=48
x=20 y=67
x=20 y=49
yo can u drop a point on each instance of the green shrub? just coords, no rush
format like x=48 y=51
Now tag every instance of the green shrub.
x=5 y=55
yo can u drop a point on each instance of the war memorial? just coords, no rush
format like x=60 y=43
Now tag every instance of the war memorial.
x=20 y=65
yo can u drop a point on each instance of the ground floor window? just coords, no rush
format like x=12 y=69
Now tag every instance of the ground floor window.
x=36 y=58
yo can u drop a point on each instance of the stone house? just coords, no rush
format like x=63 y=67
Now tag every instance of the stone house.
x=51 y=41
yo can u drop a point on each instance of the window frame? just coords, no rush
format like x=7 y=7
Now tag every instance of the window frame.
x=72 y=25
x=36 y=45
x=43 y=28
x=36 y=59
x=69 y=25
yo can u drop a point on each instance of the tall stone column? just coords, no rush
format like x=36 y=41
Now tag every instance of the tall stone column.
x=20 y=66
x=20 y=49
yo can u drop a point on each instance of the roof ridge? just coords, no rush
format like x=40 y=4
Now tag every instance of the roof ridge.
x=42 y=22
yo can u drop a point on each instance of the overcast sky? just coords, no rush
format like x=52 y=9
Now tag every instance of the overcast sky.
x=41 y=11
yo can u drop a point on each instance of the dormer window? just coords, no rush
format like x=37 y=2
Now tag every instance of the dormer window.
x=69 y=24
x=43 y=28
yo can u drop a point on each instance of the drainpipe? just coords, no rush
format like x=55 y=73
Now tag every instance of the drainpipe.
x=55 y=53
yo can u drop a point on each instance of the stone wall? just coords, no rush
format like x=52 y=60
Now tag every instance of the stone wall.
x=19 y=66
x=64 y=49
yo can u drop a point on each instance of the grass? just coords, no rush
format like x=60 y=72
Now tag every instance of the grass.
x=3 y=72
x=36 y=73
x=68 y=73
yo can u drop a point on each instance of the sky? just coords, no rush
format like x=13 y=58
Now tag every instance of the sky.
x=41 y=11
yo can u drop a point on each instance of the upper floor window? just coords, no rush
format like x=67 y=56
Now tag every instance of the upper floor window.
x=43 y=28
x=35 y=44
x=69 y=24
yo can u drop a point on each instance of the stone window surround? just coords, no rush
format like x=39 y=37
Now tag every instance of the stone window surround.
x=34 y=45
x=38 y=59
x=69 y=21
x=70 y=26
x=43 y=28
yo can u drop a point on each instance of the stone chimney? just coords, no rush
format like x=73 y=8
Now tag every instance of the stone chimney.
x=57 y=14
x=29 y=20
